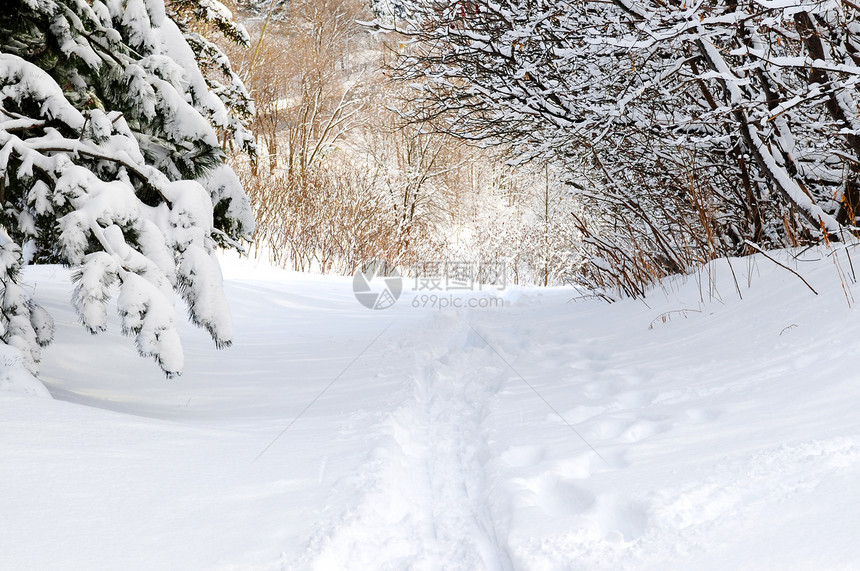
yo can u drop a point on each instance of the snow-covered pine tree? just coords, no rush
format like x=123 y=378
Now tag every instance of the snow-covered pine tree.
x=110 y=163
x=197 y=19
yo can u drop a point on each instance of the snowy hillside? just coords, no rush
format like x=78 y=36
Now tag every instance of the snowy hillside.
x=694 y=430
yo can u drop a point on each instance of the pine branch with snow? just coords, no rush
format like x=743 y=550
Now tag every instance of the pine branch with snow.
x=198 y=19
x=110 y=163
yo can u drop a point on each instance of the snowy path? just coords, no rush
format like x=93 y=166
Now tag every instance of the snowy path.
x=721 y=439
x=423 y=500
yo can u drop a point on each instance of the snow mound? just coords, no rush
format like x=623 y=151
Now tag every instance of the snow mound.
x=14 y=376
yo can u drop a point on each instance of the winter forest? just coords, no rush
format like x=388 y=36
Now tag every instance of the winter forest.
x=605 y=145
x=665 y=190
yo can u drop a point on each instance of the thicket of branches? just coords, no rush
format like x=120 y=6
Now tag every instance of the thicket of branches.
x=690 y=128
x=342 y=180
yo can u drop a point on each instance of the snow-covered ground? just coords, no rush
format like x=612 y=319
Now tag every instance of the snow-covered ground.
x=694 y=430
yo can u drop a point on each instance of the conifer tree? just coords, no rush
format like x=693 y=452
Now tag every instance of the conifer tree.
x=110 y=162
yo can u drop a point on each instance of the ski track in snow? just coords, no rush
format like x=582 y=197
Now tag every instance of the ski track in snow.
x=422 y=498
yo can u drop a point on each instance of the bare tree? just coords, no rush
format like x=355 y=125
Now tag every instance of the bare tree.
x=692 y=128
